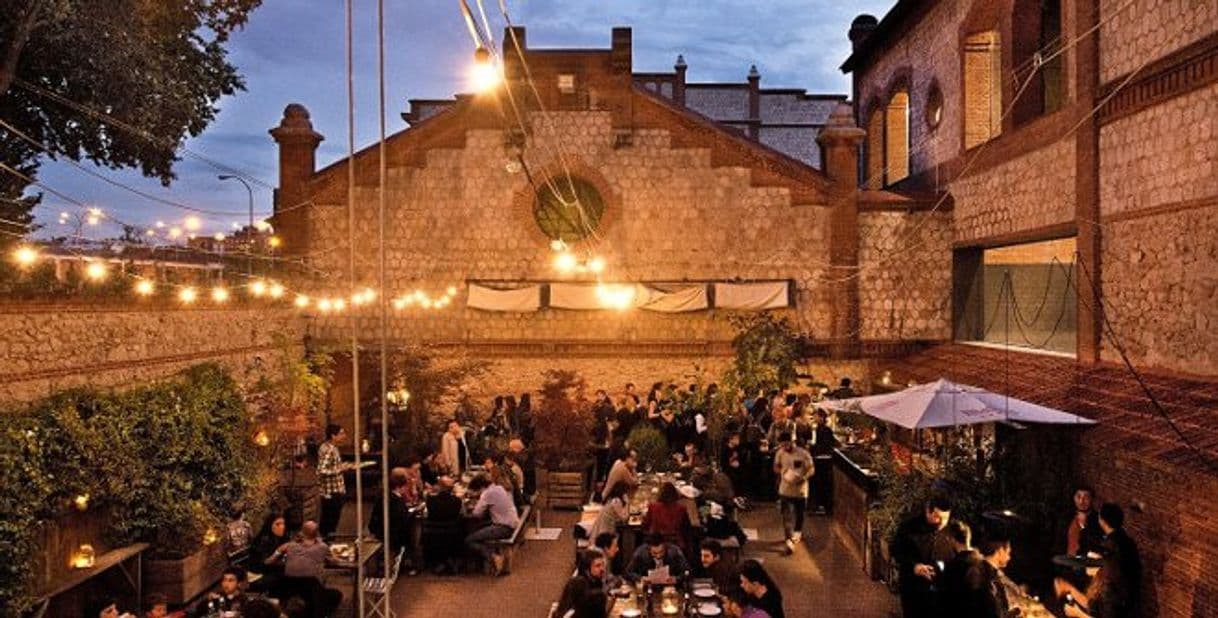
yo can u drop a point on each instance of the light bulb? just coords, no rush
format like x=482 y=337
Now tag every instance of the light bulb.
x=258 y=288
x=451 y=291
x=192 y=223
x=325 y=305
x=276 y=290
x=175 y=232
x=339 y=304
x=485 y=73
x=25 y=255
x=597 y=265
x=144 y=287
x=219 y=294
x=274 y=242
x=188 y=295
x=302 y=301
x=95 y=271
x=565 y=262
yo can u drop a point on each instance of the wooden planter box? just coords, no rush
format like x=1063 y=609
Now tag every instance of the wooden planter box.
x=565 y=490
x=183 y=579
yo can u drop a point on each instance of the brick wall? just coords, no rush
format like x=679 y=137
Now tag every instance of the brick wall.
x=1027 y=193
x=670 y=215
x=1148 y=30
x=906 y=295
x=49 y=348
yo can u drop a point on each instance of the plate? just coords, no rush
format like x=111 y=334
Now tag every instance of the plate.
x=709 y=609
x=705 y=593
x=631 y=613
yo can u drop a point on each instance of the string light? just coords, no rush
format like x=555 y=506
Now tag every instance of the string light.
x=25 y=255
x=451 y=291
x=615 y=296
x=95 y=271
x=339 y=304
x=276 y=290
x=144 y=287
x=188 y=295
x=262 y=226
x=596 y=265
x=324 y=305
x=192 y=223
x=258 y=288
x=274 y=242
x=558 y=245
x=301 y=301
x=219 y=294
x=565 y=262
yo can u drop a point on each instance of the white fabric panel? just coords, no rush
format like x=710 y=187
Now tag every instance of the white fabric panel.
x=520 y=300
x=579 y=296
x=693 y=298
x=752 y=296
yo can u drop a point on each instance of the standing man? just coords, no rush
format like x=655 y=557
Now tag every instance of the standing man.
x=1083 y=533
x=623 y=471
x=454 y=453
x=794 y=467
x=330 y=469
x=823 y=443
x=920 y=543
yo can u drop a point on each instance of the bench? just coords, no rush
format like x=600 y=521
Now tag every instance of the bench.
x=508 y=546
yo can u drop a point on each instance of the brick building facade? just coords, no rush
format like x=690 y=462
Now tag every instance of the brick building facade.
x=1090 y=122
x=686 y=199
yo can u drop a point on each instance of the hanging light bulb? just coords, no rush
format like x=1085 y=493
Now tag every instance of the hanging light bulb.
x=324 y=305
x=144 y=287
x=565 y=262
x=596 y=265
x=451 y=291
x=274 y=242
x=219 y=294
x=95 y=271
x=188 y=295
x=275 y=290
x=301 y=301
x=558 y=245
x=485 y=74
x=258 y=288
x=339 y=304
x=25 y=255
x=399 y=303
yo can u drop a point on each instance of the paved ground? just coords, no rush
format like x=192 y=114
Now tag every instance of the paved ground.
x=822 y=579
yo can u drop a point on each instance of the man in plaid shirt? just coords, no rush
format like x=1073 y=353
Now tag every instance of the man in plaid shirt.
x=330 y=468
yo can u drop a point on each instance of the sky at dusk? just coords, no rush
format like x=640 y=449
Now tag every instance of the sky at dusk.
x=293 y=51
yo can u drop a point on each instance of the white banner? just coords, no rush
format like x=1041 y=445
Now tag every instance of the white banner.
x=692 y=298
x=753 y=296
x=520 y=300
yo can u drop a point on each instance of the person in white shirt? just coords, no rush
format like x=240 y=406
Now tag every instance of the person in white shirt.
x=454 y=453
x=794 y=467
x=496 y=501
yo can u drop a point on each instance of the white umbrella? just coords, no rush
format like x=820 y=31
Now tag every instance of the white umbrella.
x=946 y=404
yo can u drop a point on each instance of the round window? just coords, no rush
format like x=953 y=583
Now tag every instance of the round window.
x=568 y=208
x=934 y=107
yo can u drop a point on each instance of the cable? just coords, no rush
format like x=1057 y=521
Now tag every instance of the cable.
x=115 y=183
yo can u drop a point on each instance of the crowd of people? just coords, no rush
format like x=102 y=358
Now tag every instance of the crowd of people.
x=944 y=570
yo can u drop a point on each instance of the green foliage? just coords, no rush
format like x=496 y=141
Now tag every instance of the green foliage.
x=562 y=421
x=652 y=447
x=159 y=67
x=168 y=461
x=767 y=349
x=294 y=398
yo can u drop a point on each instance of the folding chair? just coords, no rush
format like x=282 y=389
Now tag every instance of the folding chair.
x=377 y=589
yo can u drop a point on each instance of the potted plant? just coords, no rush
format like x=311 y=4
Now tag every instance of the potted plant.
x=563 y=434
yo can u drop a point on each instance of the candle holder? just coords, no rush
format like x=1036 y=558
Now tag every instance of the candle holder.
x=84 y=558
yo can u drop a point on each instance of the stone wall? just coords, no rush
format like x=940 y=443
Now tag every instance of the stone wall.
x=1027 y=193
x=905 y=281
x=50 y=348
x=1148 y=30
x=670 y=216
x=1164 y=155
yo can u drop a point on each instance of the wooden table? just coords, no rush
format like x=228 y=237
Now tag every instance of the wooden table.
x=366 y=550
x=128 y=559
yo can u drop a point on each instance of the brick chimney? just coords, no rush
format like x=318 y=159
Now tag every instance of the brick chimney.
x=297 y=161
x=754 y=103
x=840 y=141
x=678 y=86
x=621 y=53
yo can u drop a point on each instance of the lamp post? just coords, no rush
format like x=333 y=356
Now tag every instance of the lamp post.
x=250 y=191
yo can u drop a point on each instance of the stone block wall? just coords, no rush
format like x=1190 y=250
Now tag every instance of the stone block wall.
x=1148 y=30
x=1164 y=155
x=1026 y=193
x=670 y=216
x=48 y=348
x=905 y=281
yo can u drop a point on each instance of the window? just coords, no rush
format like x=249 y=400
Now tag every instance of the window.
x=1020 y=295
x=896 y=137
x=875 y=150
x=982 y=88
x=934 y=107
x=568 y=208
x=1036 y=36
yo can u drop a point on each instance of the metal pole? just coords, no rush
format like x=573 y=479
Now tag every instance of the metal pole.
x=386 y=552
x=250 y=192
x=359 y=482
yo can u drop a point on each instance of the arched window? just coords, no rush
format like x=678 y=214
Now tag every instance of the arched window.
x=982 y=88
x=875 y=149
x=896 y=137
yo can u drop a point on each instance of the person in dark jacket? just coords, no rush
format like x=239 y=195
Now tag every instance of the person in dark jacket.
x=655 y=554
x=953 y=583
x=400 y=518
x=761 y=589
x=917 y=547
x=1083 y=533
x=264 y=552
x=988 y=586
x=584 y=595
x=715 y=566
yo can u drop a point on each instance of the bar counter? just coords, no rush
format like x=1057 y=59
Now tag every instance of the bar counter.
x=855 y=486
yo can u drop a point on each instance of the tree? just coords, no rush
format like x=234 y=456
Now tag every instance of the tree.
x=157 y=67
x=767 y=349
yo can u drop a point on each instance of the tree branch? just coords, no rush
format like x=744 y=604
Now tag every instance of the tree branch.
x=23 y=25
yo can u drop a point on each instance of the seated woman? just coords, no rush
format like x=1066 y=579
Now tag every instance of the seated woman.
x=669 y=517
x=584 y=595
x=264 y=556
x=614 y=512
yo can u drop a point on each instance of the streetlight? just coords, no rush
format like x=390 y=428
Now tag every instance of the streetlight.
x=249 y=190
